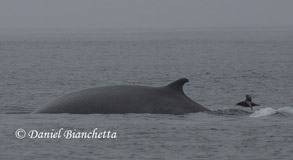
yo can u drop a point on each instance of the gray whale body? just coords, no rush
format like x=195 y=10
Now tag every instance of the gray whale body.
x=123 y=99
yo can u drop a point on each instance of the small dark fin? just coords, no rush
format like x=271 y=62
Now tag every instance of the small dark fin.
x=178 y=85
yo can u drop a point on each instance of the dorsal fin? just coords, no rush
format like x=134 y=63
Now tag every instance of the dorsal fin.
x=178 y=85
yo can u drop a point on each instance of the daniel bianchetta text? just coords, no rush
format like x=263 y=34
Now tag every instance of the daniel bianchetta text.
x=66 y=134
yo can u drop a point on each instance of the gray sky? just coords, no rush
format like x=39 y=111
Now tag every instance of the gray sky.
x=84 y=14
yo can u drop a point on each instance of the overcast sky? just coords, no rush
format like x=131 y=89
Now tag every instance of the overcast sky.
x=84 y=14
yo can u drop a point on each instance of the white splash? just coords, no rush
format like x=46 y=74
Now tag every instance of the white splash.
x=286 y=110
x=264 y=112
x=270 y=111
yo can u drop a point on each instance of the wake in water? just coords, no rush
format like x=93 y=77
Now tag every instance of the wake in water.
x=288 y=111
x=230 y=112
x=270 y=111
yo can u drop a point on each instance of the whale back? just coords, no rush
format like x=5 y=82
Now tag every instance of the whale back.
x=169 y=99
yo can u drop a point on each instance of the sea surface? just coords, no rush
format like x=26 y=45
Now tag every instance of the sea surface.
x=222 y=67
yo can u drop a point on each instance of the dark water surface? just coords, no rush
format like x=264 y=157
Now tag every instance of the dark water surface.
x=222 y=67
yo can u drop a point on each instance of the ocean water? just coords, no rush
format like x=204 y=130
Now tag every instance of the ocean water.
x=222 y=66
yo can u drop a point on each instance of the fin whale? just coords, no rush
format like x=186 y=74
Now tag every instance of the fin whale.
x=122 y=99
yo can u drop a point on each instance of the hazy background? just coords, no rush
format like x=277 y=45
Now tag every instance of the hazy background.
x=44 y=15
x=241 y=53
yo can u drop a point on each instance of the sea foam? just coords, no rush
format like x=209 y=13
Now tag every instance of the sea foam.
x=270 y=111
